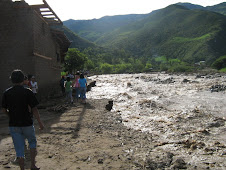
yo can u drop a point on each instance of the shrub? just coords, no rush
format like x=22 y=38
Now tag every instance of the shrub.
x=148 y=67
x=180 y=68
x=220 y=63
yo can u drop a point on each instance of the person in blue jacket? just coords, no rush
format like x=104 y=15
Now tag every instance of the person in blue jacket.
x=82 y=85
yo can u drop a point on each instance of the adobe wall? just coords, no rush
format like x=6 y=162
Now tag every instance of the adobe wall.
x=47 y=68
x=15 y=41
x=22 y=33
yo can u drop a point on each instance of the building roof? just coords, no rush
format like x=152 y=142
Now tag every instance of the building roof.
x=47 y=13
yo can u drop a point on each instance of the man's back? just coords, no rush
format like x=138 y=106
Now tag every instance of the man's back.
x=17 y=99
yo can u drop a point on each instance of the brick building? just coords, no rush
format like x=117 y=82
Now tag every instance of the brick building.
x=29 y=42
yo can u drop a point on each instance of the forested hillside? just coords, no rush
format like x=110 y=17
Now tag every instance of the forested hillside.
x=174 y=32
x=219 y=8
x=76 y=41
x=95 y=28
x=179 y=35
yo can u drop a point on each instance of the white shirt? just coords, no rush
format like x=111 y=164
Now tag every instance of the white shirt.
x=34 y=86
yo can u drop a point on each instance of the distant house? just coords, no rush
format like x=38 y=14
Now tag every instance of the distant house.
x=28 y=41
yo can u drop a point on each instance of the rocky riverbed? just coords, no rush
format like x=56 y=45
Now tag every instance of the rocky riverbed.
x=158 y=121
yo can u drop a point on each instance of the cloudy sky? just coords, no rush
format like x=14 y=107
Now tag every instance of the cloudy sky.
x=90 y=9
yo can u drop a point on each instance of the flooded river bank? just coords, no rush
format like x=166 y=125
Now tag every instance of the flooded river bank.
x=183 y=114
x=158 y=121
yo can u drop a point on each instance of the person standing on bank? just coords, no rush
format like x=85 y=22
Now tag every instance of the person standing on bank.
x=16 y=102
x=34 y=85
x=76 y=86
x=68 y=90
x=82 y=85
x=62 y=81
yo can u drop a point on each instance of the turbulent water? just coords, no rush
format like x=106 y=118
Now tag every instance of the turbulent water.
x=173 y=108
x=142 y=98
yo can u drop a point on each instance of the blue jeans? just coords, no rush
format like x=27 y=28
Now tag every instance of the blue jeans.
x=83 y=92
x=19 y=134
x=69 y=97
x=77 y=93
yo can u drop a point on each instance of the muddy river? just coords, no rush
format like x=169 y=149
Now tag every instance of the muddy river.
x=188 y=110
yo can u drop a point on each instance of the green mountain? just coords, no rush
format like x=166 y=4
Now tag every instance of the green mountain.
x=186 y=33
x=219 y=8
x=191 y=6
x=76 y=41
x=174 y=32
x=95 y=28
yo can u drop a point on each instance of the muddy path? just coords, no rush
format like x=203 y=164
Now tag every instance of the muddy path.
x=81 y=137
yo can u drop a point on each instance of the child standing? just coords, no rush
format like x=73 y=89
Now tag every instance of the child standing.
x=76 y=86
x=62 y=81
x=34 y=85
x=68 y=90
x=82 y=86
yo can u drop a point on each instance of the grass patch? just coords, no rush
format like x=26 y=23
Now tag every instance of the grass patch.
x=182 y=39
x=223 y=70
x=161 y=59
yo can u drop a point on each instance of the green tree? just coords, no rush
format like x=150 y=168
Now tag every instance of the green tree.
x=74 y=60
x=123 y=68
x=89 y=65
x=148 y=67
x=138 y=66
x=106 y=68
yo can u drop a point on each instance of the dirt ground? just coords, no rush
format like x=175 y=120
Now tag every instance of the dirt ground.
x=76 y=136
x=88 y=137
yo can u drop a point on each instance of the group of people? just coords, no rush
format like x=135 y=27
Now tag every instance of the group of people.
x=19 y=103
x=79 y=85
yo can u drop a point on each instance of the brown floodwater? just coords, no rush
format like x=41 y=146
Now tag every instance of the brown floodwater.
x=174 y=109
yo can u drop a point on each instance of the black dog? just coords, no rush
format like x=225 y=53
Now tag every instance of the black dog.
x=109 y=105
x=91 y=84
